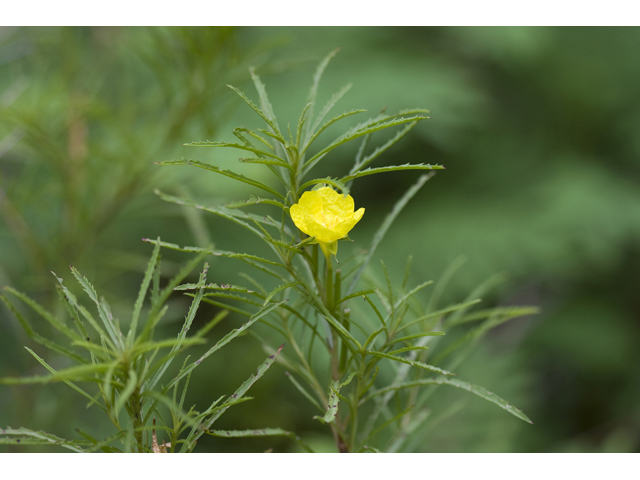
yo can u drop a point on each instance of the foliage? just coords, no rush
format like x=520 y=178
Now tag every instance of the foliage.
x=394 y=335
x=130 y=368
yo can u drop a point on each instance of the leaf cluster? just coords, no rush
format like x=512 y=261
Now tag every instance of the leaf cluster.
x=130 y=367
x=315 y=299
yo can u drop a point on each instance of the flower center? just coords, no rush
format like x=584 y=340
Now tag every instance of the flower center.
x=328 y=222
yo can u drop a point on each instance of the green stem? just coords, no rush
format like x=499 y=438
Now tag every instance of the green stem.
x=329 y=285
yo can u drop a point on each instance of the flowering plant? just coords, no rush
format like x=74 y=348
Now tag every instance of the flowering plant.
x=378 y=353
x=381 y=354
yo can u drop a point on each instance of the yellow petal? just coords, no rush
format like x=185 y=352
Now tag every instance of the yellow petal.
x=325 y=214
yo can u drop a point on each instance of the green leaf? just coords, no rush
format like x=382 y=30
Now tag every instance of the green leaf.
x=371 y=449
x=260 y=432
x=478 y=292
x=389 y=422
x=439 y=313
x=245 y=147
x=226 y=339
x=105 y=316
x=214 y=286
x=511 y=312
x=408 y=349
x=82 y=372
x=37 y=337
x=474 y=334
x=391 y=168
x=361 y=293
x=215 y=252
x=413 y=363
x=313 y=93
x=415 y=335
x=255 y=108
x=51 y=319
x=211 y=323
x=240 y=130
x=373 y=336
x=303 y=391
x=236 y=397
x=328 y=123
x=31 y=437
x=265 y=104
x=125 y=394
x=443 y=281
x=236 y=216
x=455 y=382
x=265 y=161
x=185 y=327
x=75 y=307
x=71 y=384
x=360 y=162
x=332 y=405
x=301 y=124
x=334 y=399
x=158 y=308
x=386 y=224
x=144 y=287
x=227 y=173
x=255 y=201
x=411 y=293
x=279 y=289
x=359 y=131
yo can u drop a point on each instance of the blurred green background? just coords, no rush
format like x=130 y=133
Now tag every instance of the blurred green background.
x=538 y=129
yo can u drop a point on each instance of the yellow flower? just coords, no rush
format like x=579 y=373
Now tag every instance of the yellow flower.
x=326 y=215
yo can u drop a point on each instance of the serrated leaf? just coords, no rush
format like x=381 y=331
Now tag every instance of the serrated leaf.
x=213 y=251
x=185 y=328
x=260 y=432
x=36 y=307
x=236 y=397
x=361 y=293
x=255 y=108
x=455 y=382
x=71 y=384
x=144 y=287
x=332 y=405
x=105 y=316
x=279 y=289
x=226 y=339
x=477 y=332
x=264 y=102
x=438 y=313
x=361 y=162
x=413 y=363
x=334 y=399
x=415 y=335
x=391 y=168
x=82 y=372
x=31 y=437
x=37 y=337
x=359 y=131
x=313 y=93
x=254 y=201
x=227 y=173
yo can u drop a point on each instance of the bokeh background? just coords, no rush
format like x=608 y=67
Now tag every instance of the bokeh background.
x=539 y=130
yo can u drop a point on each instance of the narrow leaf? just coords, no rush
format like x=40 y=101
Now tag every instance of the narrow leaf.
x=391 y=168
x=386 y=224
x=413 y=363
x=227 y=173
